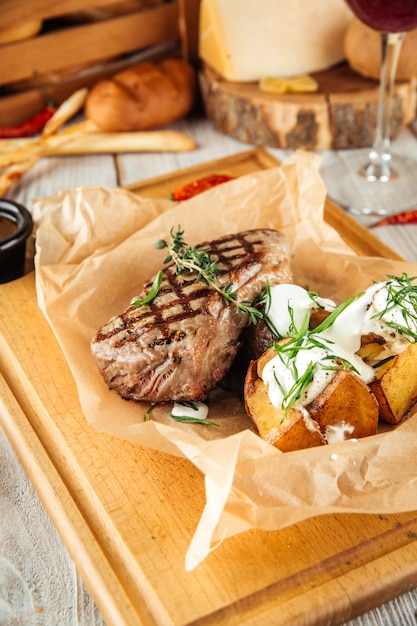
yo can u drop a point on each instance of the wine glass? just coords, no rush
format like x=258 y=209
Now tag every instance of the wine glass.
x=378 y=182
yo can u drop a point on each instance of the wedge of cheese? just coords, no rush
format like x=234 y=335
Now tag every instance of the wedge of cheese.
x=245 y=40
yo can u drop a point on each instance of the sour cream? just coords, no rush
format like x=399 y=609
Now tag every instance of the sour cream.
x=280 y=375
x=338 y=432
x=198 y=410
x=341 y=340
x=294 y=299
x=362 y=317
x=403 y=314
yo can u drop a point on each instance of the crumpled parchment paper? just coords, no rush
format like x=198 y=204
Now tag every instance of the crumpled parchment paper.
x=95 y=248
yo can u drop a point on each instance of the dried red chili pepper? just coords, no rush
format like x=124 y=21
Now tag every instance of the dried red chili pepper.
x=406 y=217
x=198 y=186
x=32 y=126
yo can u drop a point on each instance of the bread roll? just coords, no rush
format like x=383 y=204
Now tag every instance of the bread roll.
x=363 y=52
x=143 y=97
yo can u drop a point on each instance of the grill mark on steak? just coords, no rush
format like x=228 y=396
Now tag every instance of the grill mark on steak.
x=181 y=344
x=136 y=320
x=186 y=288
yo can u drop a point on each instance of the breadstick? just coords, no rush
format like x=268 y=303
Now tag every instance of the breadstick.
x=14 y=173
x=68 y=109
x=9 y=145
x=138 y=141
x=65 y=112
x=32 y=153
x=38 y=147
x=109 y=143
x=19 y=154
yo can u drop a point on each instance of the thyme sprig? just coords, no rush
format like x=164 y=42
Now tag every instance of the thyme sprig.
x=198 y=260
x=401 y=295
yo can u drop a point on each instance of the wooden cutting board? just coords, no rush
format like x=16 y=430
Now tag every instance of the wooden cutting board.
x=341 y=114
x=127 y=514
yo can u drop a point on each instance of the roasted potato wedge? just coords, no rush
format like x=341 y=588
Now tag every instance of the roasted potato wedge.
x=370 y=351
x=317 y=316
x=371 y=347
x=291 y=432
x=395 y=386
x=345 y=409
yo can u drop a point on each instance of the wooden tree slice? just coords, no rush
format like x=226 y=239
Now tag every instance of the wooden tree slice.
x=341 y=114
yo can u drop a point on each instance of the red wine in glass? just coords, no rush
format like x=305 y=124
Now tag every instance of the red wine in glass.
x=376 y=183
x=387 y=16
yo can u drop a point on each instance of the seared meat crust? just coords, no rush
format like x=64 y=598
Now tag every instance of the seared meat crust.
x=180 y=345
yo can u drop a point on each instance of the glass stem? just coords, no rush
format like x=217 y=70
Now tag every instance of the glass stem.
x=379 y=166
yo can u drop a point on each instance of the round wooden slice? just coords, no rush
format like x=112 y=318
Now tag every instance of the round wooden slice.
x=341 y=114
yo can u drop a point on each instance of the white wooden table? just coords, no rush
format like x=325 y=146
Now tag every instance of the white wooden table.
x=39 y=584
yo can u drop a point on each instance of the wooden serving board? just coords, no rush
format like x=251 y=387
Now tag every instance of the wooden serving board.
x=127 y=514
x=341 y=114
x=359 y=238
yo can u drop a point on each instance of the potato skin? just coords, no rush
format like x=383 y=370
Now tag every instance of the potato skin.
x=346 y=402
x=286 y=433
x=395 y=386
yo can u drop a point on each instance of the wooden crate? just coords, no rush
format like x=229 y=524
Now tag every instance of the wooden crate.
x=71 y=56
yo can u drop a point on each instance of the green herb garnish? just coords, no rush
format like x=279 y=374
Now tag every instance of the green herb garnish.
x=149 y=410
x=304 y=339
x=402 y=294
x=186 y=419
x=198 y=260
x=152 y=292
x=334 y=314
x=288 y=352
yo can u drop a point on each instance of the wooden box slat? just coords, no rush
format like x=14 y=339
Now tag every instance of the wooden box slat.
x=89 y=43
x=79 y=55
x=17 y=11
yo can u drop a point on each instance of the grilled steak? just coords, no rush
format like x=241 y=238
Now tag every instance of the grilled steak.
x=181 y=344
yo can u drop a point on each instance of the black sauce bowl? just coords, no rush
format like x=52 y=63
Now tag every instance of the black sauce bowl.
x=16 y=225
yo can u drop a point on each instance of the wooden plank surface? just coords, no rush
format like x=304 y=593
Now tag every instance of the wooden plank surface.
x=127 y=514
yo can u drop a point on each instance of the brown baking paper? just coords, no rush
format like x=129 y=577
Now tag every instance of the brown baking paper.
x=95 y=248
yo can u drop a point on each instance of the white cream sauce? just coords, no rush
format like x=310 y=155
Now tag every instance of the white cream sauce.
x=297 y=298
x=395 y=342
x=278 y=369
x=338 y=432
x=358 y=319
x=187 y=410
x=341 y=339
